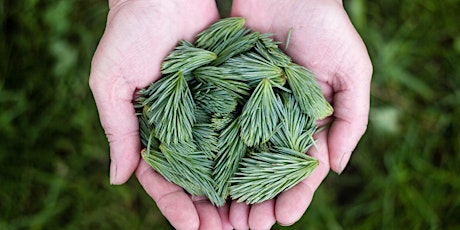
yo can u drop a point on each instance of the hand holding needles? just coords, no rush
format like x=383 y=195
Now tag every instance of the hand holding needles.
x=232 y=116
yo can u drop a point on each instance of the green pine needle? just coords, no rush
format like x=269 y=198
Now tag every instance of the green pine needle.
x=307 y=92
x=224 y=31
x=194 y=165
x=222 y=78
x=232 y=116
x=252 y=67
x=220 y=121
x=295 y=129
x=268 y=48
x=195 y=57
x=206 y=139
x=231 y=150
x=260 y=115
x=262 y=176
x=172 y=110
x=215 y=100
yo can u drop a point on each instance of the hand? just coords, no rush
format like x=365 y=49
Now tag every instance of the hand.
x=323 y=40
x=138 y=35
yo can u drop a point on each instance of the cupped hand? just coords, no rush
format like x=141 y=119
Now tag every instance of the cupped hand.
x=323 y=40
x=138 y=35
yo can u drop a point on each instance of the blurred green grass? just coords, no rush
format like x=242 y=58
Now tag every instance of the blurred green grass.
x=53 y=153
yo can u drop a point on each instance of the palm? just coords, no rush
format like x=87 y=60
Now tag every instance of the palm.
x=138 y=35
x=323 y=40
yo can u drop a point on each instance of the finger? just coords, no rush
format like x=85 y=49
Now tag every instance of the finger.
x=224 y=216
x=292 y=204
x=207 y=214
x=114 y=103
x=262 y=215
x=351 y=111
x=172 y=201
x=239 y=215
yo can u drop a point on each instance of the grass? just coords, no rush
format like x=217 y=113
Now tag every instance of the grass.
x=53 y=153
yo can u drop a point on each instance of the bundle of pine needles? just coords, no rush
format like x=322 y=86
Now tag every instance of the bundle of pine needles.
x=232 y=116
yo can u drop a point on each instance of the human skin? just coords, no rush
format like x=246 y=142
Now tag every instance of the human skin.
x=140 y=33
x=323 y=40
x=137 y=37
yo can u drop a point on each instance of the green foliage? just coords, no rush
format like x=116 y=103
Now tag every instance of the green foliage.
x=260 y=115
x=253 y=68
x=231 y=150
x=172 y=108
x=222 y=78
x=195 y=57
x=240 y=111
x=261 y=175
x=206 y=139
x=216 y=39
x=307 y=92
x=295 y=130
x=270 y=51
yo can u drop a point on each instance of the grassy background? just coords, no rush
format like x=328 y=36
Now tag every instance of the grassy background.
x=53 y=153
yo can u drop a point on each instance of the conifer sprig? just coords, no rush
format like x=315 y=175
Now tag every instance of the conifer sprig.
x=206 y=139
x=231 y=150
x=239 y=46
x=262 y=176
x=222 y=78
x=159 y=163
x=195 y=57
x=253 y=68
x=260 y=115
x=172 y=110
x=215 y=100
x=221 y=34
x=268 y=48
x=296 y=129
x=233 y=116
x=307 y=92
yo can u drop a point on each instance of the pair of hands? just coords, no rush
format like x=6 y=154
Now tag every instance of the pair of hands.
x=139 y=34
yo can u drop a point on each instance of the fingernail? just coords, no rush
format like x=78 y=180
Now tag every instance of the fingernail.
x=113 y=172
x=344 y=161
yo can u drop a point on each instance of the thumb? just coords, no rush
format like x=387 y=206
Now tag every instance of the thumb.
x=351 y=112
x=113 y=96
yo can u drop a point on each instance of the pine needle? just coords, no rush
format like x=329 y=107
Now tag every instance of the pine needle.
x=215 y=100
x=307 y=92
x=221 y=32
x=231 y=150
x=195 y=57
x=193 y=165
x=260 y=115
x=206 y=139
x=252 y=67
x=172 y=110
x=268 y=48
x=288 y=39
x=222 y=78
x=295 y=129
x=232 y=116
x=262 y=176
